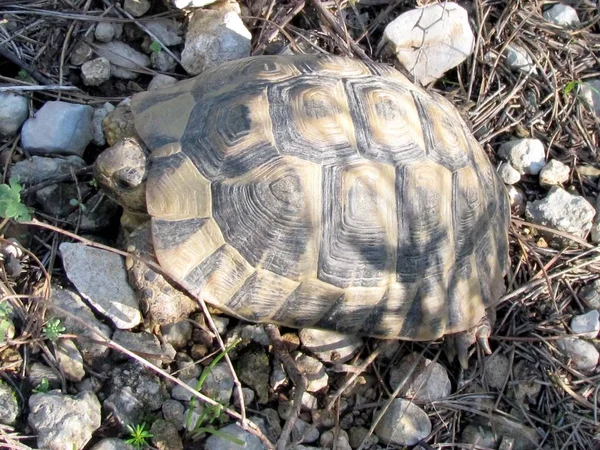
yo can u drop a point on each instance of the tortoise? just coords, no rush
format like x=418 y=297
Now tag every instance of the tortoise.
x=318 y=191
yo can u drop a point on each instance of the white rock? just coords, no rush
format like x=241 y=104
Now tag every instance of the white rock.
x=525 y=155
x=590 y=92
x=554 y=173
x=14 y=110
x=104 y=32
x=404 y=423
x=100 y=277
x=562 y=15
x=562 y=211
x=123 y=59
x=59 y=127
x=163 y=62
x=69 y=360
x=590 y=294
x=161 y=81
x=428 y=382
x=166 y=31
x=214 y=37
x=330 y=346
x=518 y=59
x=137 y=8
x=508 y=173
x=313 y=370
x=431 y=40
x=588 y=323
x=192 y=3
x=112 y=444
x=97 y=119
x=517 y=200
x=95 y=72
x=582 y=354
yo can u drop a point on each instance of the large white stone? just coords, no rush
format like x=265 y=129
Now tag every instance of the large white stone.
x=562 y=15
x=431 y=40
x=525 y=155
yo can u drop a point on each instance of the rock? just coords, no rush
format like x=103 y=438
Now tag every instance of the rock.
x=251 y=442
x=330 y=346
x=70 y=360
x=300 y=427
x=221 y=322
x=112 y=444
x=404 y=423
x=63 y=422
x=590 y=294
x=595 y=231
x=253 y=369
x=63 y=301
x=278 y=376
x=143 y=343
x=104 y=32
x=357 y=435
x=97 y=119
x=192 y=3
x=37 y=372
x=160 y=81
x=582 y=354
x=554 y=173
x=517 y=200
x=248 y=397
x=186 y=366
x=562 y=15
x=525 y=438
x=431 y=40
x=588 y=323
x=313 y=370
x=508 y=173
x=219 y=384
x=166 y=31
x=58 y=127
x=182 y=394
x=81 y=53
x=249 y=333
x=174 y=412
x=40 y=168
x=177 y=334
x=9 y=405
x=479 y=436
x=562 y=211
x=327 y=440
x=163 y=61
x=95 y=72
x=165 y=436
x=137 y=8
x=124 y=60
x=101 y=278
x=496 y=370
x=526 y=382
x=269 y=424
x=519 y=60
x=590 y=93
x=212 y=38
x=14 y=110
x=525 y=155
x=428 y=382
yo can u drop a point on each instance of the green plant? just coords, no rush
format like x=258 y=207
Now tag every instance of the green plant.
x=138 y=435
x=5 y=322
x=43 y=387
x=53 y=329
x=75 y=202
x=22 y=75
x=570 y=86
x=155 y=47
x=10 y=202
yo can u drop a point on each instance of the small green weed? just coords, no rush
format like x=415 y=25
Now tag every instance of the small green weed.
x=139 y=435
x=43 y=387
x=23 y=75
x=53 y=329
x=570 y=86
x=75 y=202
x=10 y=202
x=155 y=47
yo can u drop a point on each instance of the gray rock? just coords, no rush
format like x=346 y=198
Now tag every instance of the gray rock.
x=104 y=32
x=526 y=382
x=562 y=211
x=81 y=53
x=112 y=444
x=253 y=369
x=186 y=366
x=180 y=393
x=590 y=93
x=143 y=343
x=163 y=61
x=63 y=422
x=65 y=304
x=250 y=333
x=431 y=40
x=595 y=231
x=590 y=294
x=97 y=119
x=496 y=369
x=192 y=3
x=357 y=435
x=527 y=156
x=37 y=372
x=165 y=436
x=174 y=411
x=39 y=168
x=69 y=360
x=582 y=354
x=554 y=173
x=480 y=436
x=588 y=323
x=219 y=384
x=251 y=442
x=343 y=441
x=212 y=38
x=101 y=278
x=508 y=173
x=330 y=346
x=404 y=423
x=58 y=127
x=56 y=199
x=221 y=322
x=313 y=370
x=160 y=81
x=269 y=424
x=518 y=59
x=137 y=8
x=428 y=382
x=562 y=15
x=517 y=199
x=124 y=60
x=14 y=110
x=248 y=397
x=299 y=430
x=278 y=376
x=166 y=31
x=95 y=72
x=9 y=406
x=177 y=334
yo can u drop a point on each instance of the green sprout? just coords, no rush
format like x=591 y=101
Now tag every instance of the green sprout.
x=53 y=329
x=10 y=202
x=139 y=435
x=23 y=75
x=155 y=47
x=570 y=86
x=43 y=387
x=75 y=202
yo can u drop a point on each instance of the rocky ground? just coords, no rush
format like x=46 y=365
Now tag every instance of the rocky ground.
x=80 y=369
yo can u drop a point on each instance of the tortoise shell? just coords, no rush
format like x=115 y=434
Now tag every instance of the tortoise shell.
x=318 y=191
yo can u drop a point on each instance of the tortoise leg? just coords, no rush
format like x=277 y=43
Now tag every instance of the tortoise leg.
x=458 y=344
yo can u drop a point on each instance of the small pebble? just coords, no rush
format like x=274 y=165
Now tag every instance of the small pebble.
x=428 y=382
x=314 y=371
x=588 y=323
x=81 y=53
x=177 y=334
x=404 y=423
x=95 y=72
x=160 y=81
x=14 y=111
x=496 y=370
x=104 y=32
x=508 y=173
x=173 y=411
x=554 y=173
x=517 y=199
x=299 y=430
x=137 y=8
x=590 y=93
x=330 y=346
x=590 y=294
x=562 y=15
x=251 y=442
x=582 y=354
x=9 y=406
x=519 y=60
x=527 y=156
